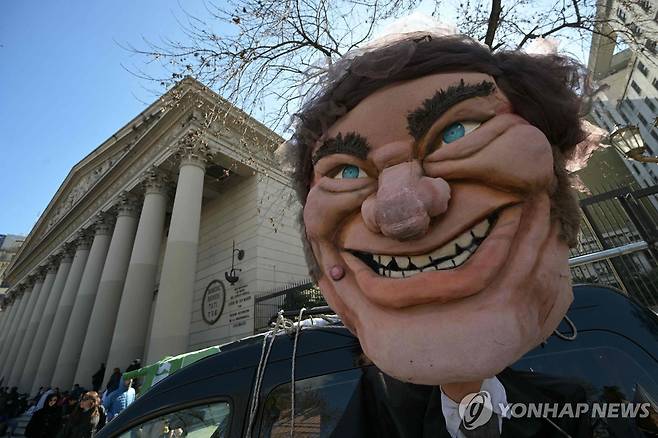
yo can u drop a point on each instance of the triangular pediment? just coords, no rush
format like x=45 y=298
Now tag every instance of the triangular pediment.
x=118 y=161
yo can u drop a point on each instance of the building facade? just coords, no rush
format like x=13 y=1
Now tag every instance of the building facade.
x=155 y=244
x=9 y=246
x=624 y=67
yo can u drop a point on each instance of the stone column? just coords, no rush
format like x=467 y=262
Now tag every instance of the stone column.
x=55 y=337
x=9 y=314
x=33 y=323
x=46 y=321
x=3 y=322
x=5 y=315
x=16 y=308
x=173 y=305
x=67 y=361
x=129 y=338
x=22 y=326
x=103 y=316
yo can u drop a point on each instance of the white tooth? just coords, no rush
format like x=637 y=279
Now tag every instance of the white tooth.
x=480 y=230
x=420 y=261
x=396 y=274
x=445 y=265
x=448 y=250
x=461 y=258
x=385 y=260
x=464 y=240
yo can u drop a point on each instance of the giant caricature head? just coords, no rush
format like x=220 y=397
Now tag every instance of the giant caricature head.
x=437 y=211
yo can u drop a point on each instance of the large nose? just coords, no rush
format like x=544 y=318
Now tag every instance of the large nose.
x=405 y=202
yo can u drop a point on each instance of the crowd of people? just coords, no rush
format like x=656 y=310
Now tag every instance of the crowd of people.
x=78 y=413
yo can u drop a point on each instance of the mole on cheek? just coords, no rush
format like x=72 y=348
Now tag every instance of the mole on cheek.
x=336 y=272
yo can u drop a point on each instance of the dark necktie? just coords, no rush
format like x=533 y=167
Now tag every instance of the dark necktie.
x=487 y=430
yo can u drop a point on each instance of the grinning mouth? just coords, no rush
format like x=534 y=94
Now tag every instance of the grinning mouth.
x=449 y=256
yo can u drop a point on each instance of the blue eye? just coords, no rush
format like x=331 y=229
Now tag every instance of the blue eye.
x=350 y=171
x=457 y=130
x=453 y=132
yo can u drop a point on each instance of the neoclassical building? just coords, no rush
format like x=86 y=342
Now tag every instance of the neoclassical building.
x=155 y=244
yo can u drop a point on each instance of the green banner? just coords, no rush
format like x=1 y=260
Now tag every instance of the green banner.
x=152 y=374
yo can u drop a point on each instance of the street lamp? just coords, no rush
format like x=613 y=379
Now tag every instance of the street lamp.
x=628 y=141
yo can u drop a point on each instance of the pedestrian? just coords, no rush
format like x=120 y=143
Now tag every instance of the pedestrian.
x=12 y=410
x=42 y=400
x=86 y=419
x=113 y=383
x=97 y=378
x=77 y=391
x=120 y=399
x=45 y=423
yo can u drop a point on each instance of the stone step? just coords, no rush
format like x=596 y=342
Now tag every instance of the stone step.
x=21 y=424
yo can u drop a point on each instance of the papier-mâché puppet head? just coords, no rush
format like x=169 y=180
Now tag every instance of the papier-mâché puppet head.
x=437 y=213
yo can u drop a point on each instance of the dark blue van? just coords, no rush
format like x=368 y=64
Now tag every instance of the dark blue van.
x=607 y=347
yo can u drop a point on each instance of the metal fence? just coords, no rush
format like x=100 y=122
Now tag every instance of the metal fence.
x=617 y=244
x=617 y=247
x=292 y=297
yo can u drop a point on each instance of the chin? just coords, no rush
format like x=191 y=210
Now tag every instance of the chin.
x=439 y=349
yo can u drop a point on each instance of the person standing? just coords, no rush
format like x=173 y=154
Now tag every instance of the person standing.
x=120 y=399
x=87 y=418
x=134 y=365
x=46 y=421
x=97 y=378
x=113 y=383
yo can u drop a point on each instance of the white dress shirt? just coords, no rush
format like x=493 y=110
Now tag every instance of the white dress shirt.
x=450 y=409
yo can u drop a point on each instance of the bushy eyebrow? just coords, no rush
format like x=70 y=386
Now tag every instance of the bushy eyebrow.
x=420 y=120
x=352 y=144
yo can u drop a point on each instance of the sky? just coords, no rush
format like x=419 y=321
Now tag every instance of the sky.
x=64 y=88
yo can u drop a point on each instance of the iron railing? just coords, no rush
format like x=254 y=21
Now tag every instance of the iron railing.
x=292 y=297
x=617 y=244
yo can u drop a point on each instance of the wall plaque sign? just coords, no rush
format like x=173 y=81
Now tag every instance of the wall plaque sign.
x=213 y=301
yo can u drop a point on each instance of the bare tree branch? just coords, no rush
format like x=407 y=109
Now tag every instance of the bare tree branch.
x=494 y=18
x=265 y=55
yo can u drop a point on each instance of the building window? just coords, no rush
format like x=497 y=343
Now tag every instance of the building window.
x=655 y=83
x=643 y=68
x=648 y=149
x=644 y=4
x=651 y=46
x=642 y=119
x=623 y=116
x=650 y=103
x=653 y=176
x=654 y=135
x=636 y=87
x=635 y=168
x=610 y=117
x=635 y=29
x=629 y=102
x=621 y=14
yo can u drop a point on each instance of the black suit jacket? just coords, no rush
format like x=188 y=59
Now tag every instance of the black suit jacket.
x=388 y=408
